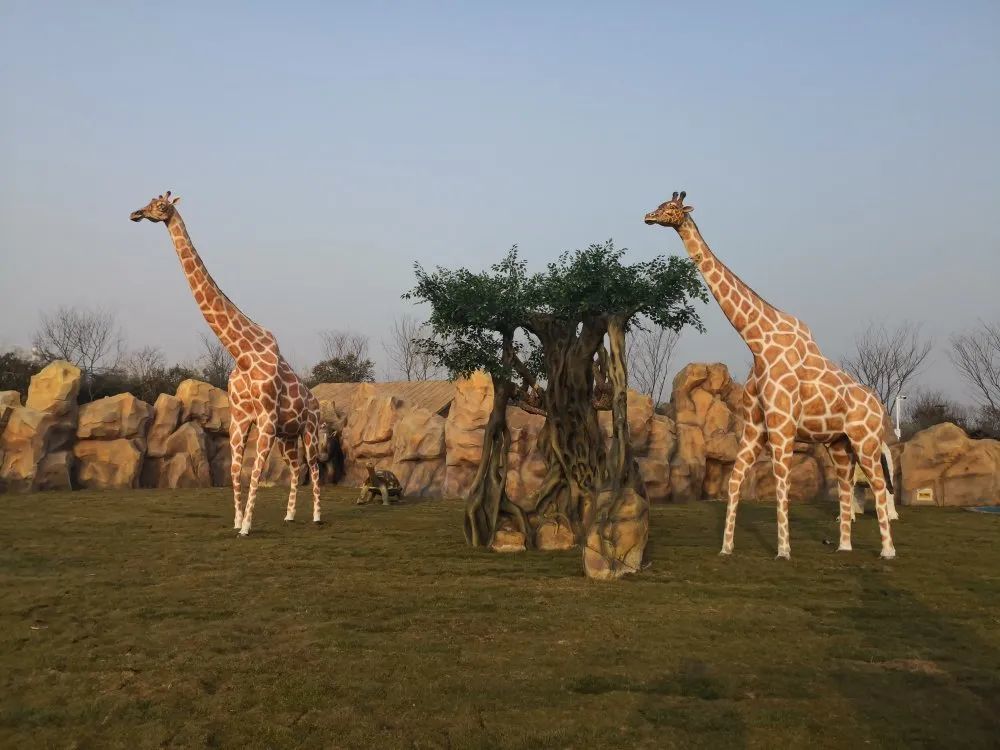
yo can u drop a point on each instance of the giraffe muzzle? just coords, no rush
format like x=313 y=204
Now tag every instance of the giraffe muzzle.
x=136 y=216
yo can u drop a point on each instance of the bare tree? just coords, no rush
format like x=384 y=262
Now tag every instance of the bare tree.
x=886 y=360
x=404 y=351
x=648 y=351
x=344 y=344
x=215 y=362
x=89 y=338
x=144 y=364
x=977 y=356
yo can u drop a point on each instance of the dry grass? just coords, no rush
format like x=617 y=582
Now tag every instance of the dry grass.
x=139 y=620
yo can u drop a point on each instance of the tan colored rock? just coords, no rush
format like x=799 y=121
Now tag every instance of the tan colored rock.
x=464 y=430
x=418 y=452
x=805 y=480
x=421 y=478
x=369 y=430
x=25 y=440
x=184 y=463
x=220 y=460
x=205 y=404
x=508 y=540
x=9 y=400
x=655 y=475
x=959 y=470
x=166 y=416
x=615 y=543
x=418 y=436
x=55 y=471
x=108 y=464
x=54 y=390
x=687 y=468
x=114 y=417
x=553 y=535
x=525 y=467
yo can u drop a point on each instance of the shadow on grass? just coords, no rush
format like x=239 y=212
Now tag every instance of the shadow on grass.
x=908 y=669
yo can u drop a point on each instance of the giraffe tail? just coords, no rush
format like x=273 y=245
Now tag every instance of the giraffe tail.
x=887 y=471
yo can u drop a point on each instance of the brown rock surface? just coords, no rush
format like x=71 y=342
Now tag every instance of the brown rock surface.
x=418 y=452
x=55 y=471
x=24 y=442
x=108 y=464
x=615 y=543
x=166 y=416
x=54 y=390
x=464 y=431
x=553 y=535
x=204 y=404
x=184 y=462
x=959 y=470
x=114 y=417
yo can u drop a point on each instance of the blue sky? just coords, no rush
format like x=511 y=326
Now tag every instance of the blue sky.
x=842 y=157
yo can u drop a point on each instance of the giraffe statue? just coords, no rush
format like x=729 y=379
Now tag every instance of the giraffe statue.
x=792 y=393
x=263 y=388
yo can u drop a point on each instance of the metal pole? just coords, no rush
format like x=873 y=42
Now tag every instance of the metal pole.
x=899 y=431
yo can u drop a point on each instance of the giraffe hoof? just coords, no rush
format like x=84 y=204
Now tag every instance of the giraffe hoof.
x=783 y=556
x=289 y=519
x=319 y=522
x=888 y=554
x=725 y=552
x=243 y=534
x=844 y=548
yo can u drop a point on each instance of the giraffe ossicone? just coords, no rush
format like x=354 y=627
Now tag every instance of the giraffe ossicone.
x=792 y=393
x=263 y=389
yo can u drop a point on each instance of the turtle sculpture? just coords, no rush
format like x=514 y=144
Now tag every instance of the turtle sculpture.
x=379 y=482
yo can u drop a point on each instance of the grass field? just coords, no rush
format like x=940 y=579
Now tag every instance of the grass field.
x=139 y=620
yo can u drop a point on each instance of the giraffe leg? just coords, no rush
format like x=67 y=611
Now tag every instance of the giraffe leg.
x=844 y=466
x=781 y=458
x=289 y=448
x=751 y=441
x=310 y=441
x=239 y=428
x=869 y=452
x=265 y=439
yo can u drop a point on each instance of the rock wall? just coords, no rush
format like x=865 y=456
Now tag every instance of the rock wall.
x=684 y=455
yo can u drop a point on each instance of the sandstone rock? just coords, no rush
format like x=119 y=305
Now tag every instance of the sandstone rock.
x=184 y=462
x=656 y=476
x=418 y=452
x=959 y=470
x=369 y=429
x=687 y=469
x=418 y=436
x=9 y=400
x=554 y=535
x=525 y=466
x=54 y=390
x=166 y=416
x=464 y=429
x=220 y=459
x=114 y=417
x=109 y=464
x=26 y=439
x=204 y=404
x=615 y=543
x=805 y=481
x=508 y=540
x=55 y=471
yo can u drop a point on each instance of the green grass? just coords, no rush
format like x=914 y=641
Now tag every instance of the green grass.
x=139 y=620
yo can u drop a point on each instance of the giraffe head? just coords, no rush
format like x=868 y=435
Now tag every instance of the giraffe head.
x=670 y=214
x=161 y=208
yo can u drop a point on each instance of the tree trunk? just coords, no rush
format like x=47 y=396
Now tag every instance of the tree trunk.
x=616 y=540
x=488 y=496
x=571 y=441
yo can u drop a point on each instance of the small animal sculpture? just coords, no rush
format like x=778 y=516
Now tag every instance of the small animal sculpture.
x=380 y=482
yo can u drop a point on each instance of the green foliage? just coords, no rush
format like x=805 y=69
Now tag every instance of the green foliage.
x=350 y=368
x=15 y=373
x=595 y=282
x=473 y=313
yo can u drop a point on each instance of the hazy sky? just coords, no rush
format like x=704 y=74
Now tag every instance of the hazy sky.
x=842 y=157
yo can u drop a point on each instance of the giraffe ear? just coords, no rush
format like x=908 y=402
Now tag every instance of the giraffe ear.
x=688 y=209
x=175 y=201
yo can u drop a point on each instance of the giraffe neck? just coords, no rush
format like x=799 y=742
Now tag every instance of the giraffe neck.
x=222 y=316
x=744 y=308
